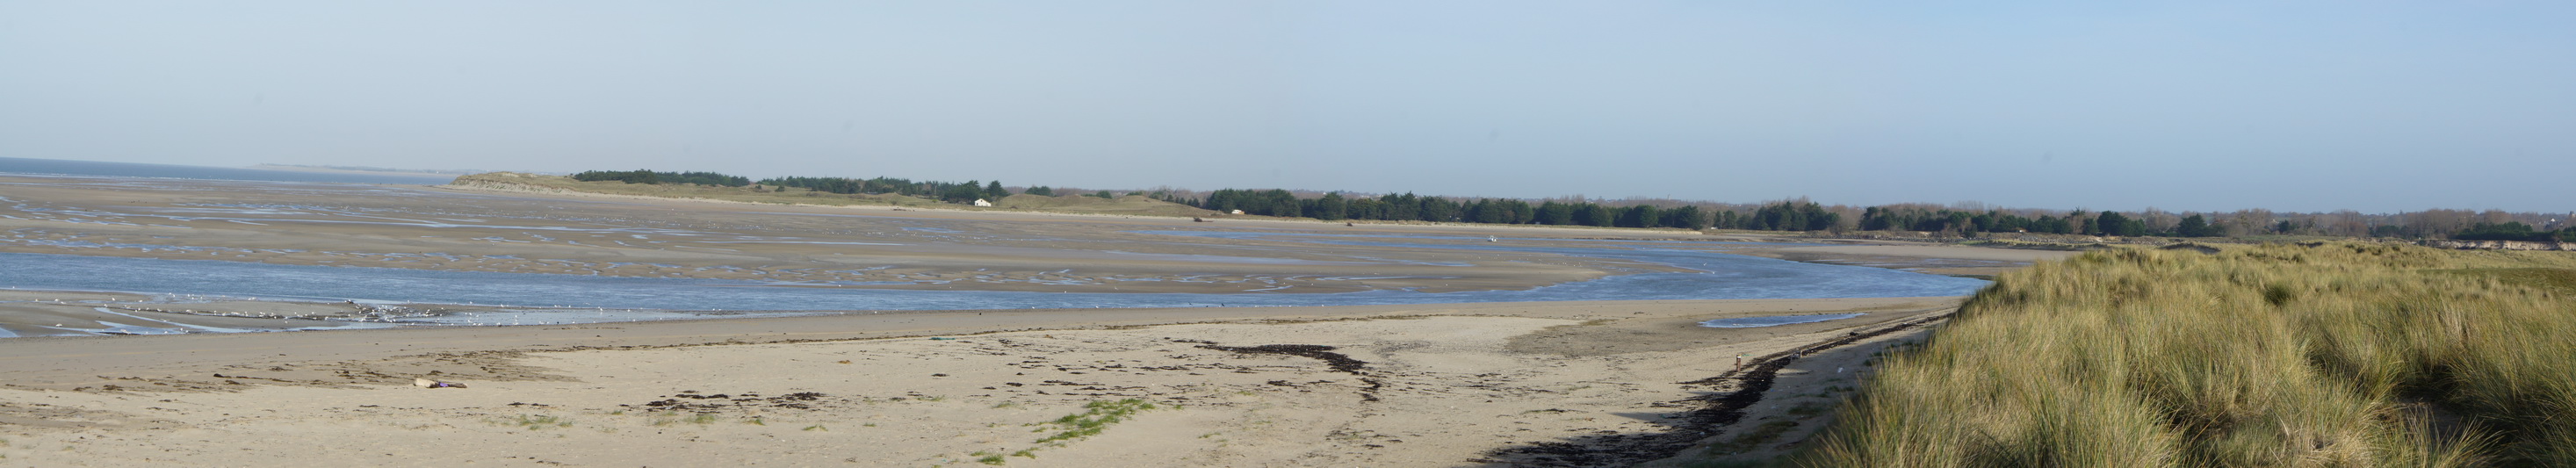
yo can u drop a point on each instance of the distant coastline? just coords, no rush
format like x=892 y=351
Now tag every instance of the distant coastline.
x=173 y=171
x=365 y=170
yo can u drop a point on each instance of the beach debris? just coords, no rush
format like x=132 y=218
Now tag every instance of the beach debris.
x=942 y=338
x=427 y=383
x=1337 y=361
x=709 y=404
x=1701 y=414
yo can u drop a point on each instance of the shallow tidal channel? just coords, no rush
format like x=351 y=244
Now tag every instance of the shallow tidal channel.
x=533 y=298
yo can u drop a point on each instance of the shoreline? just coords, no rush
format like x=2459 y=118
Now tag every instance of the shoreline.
x=1300 y=223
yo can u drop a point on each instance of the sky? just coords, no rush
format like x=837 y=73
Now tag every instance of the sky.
x=2177 y=105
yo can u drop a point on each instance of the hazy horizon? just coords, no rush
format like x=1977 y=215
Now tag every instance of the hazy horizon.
x=2202 y=106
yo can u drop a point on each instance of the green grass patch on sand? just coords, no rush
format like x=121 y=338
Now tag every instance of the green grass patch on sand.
x=538 y=421
x=2311 y=354
x=1096 y=416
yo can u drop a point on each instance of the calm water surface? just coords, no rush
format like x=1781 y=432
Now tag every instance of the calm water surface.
x=115 y=169
x=1774 y=321
x=1712 y=276
x=1716 y=276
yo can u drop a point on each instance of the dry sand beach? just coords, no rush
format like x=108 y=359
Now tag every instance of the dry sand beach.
x=1589 y=383
x=1431 y=386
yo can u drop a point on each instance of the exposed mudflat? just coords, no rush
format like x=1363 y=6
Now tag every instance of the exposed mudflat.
x=436 y=229
x=218 y=256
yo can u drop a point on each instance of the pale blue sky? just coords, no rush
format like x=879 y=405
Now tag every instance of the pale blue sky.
x=2373 y=106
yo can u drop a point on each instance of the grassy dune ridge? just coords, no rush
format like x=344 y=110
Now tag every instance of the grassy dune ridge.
x=2322 y=354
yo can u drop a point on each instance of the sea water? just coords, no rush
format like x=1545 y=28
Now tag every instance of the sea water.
x=1712 y=276
x=1774 y=321
x=170 y=171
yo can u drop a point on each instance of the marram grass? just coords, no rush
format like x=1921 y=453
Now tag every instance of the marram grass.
x=2336 y=354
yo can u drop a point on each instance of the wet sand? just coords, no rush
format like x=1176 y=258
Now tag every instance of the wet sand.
x=1918 y=257
x=1444 y=385
x=436 y=228
x=441 y=229
x=26 y=313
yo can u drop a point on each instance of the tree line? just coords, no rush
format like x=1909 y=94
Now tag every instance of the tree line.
x=646 y=176
x=1967 y=220
x=1046 y=191
x=2454 y=224
x=1968 y=223
x=1781 y=216
x=952 y=192
x=1800 y=215
x=2514 y=231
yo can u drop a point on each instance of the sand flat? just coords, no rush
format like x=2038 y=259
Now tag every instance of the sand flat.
x=1452 y=383
x=1912 y=256
x=434 y=229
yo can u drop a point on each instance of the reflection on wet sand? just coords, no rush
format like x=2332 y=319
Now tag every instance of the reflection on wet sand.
x=421 y=228
x=420 y=256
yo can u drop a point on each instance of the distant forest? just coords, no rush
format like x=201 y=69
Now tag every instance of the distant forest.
x=952 y=192
x=650 y=177
x=1962 y=220
x=1782 y=216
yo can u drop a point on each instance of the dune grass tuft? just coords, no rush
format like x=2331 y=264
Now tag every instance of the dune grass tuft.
x=2321 y=354
x=1095 y=417
x=538 y=421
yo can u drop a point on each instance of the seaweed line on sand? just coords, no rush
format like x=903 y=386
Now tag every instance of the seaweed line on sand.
x=1708 y=413
x=1338 y=361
